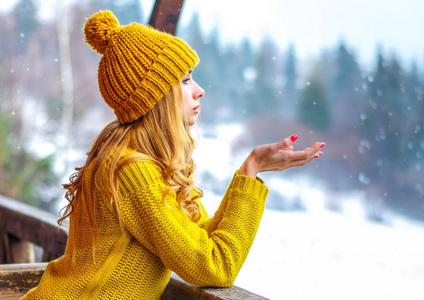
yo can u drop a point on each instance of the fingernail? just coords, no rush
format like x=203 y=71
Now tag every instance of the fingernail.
x=316 y=156
x=293 y=138
x=322 y=145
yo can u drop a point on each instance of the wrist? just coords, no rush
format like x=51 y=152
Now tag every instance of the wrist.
x=249 y=167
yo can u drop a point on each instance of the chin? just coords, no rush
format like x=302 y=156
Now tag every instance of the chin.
x=191 y=122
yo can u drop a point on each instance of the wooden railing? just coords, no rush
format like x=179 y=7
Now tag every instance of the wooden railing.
x=22 y=226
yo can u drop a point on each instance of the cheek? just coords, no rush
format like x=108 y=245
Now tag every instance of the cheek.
x=186 y=99
x=186 y=92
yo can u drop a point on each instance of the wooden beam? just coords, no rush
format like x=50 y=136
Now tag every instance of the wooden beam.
x=17 y=279
x=178 y=289
x=165 y=15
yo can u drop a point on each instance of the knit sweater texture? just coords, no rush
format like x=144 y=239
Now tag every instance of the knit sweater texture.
x=136 y=262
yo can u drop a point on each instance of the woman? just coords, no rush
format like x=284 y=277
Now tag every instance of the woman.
x=135 y=213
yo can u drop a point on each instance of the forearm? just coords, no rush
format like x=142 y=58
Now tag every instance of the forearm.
x=211 y=224
x=230 y=242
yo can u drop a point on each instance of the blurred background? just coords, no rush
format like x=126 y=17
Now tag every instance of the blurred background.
x=349 y=73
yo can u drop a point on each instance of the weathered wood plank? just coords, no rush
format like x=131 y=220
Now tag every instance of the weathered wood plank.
x=178 y=289
x=17 y=279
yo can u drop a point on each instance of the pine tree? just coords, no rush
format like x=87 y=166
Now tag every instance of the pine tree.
x=383 y=118
x=288 y=101
x=241 y=79
x=246 y=53
x=348 y=74
x=413 y=115
x=347 y=91
x=290 y=72
x=263 y=98
x=313 y=106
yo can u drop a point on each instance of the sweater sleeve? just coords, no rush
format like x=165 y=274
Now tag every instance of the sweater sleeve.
x=199 y=257
x=211 y=224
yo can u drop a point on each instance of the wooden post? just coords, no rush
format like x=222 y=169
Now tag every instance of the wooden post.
x=5 y=251
x=165 y=15
x=22 y=251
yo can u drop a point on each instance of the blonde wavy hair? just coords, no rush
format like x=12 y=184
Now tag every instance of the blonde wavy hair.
x=161 y=136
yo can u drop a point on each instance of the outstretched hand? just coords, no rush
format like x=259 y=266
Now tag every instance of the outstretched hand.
x=278 y=157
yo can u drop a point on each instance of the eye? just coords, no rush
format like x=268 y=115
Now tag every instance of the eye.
x=186 y=80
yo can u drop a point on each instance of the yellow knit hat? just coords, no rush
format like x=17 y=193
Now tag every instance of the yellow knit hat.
x=139 y=66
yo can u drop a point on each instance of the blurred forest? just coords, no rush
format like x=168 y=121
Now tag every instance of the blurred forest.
x=371 y=117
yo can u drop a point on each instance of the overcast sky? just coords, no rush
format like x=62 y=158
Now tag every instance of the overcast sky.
x=395 y=24
x=310 y=24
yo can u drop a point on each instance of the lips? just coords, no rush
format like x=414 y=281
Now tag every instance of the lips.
x=197 y=109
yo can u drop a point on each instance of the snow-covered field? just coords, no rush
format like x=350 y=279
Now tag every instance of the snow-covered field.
x=319 y=254
x=316 y=253
x=327 y=255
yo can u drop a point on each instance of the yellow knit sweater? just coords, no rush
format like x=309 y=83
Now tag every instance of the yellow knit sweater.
x=136 y=263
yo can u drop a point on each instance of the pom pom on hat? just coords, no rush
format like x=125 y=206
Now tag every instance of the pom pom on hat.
x=139 y=64
x=98 y=30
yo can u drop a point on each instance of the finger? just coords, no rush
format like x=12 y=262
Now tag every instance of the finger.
x=285 y=143
x=289 y=148
x=303 y=162
x=308 y=152
x=316 y=147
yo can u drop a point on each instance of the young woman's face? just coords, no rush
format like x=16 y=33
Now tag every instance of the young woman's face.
x=192 y=93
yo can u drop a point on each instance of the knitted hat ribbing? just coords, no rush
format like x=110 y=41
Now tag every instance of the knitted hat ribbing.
x=139 y=66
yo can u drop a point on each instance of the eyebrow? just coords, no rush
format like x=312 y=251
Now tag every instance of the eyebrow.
x=189 y=72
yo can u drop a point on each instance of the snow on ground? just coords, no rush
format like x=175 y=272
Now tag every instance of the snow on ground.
x=319 y=254
x=328 y=255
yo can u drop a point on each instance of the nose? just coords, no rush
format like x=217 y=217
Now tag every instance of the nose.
x=198 y=92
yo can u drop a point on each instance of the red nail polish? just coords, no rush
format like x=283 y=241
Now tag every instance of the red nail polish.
x=322 y=145
x=293 y=138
